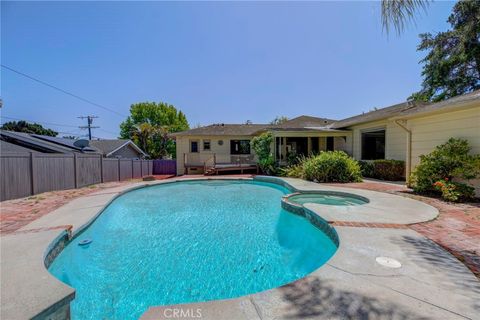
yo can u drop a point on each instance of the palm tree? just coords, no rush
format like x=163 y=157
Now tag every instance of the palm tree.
x=397 y=12
x=163 y=140
x=154 y=140
x=143 y=132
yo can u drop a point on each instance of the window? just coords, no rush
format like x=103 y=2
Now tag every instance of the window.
x=373 y=145
x=206 y=145
x=239 y=146
x=193 y=146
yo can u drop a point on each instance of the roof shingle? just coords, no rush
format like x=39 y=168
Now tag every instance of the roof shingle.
x=223 y=129
x=107 y=146
x=303 y=122
x=375 y=115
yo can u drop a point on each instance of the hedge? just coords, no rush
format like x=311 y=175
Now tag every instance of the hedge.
x=392 y=170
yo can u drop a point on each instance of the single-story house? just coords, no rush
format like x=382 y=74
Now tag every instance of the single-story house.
x=21 y=142
x=24 y=142
x=402 y=132
x=118 y=148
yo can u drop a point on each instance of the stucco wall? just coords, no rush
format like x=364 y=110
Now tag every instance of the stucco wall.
x=395 y=139
x=222 y=152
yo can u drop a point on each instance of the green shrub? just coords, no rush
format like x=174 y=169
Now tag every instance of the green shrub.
x=295 y=170
x=331 y=166
x=292 y=159
x=448 y=161
x=366 y=167
x=454 y=191
x=268 y=165
x=262 y=146
x=392 y=170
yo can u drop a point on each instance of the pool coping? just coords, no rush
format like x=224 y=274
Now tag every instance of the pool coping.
x=54 y=236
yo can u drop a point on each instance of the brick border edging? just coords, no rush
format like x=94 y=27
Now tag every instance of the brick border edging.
x=368 y=225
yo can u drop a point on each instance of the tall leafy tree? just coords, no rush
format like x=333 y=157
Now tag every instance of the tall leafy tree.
x=26 y=127
x=150 y=123
x=452 y=65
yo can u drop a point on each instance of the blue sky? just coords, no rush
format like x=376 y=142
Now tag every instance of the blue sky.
x=217 y=62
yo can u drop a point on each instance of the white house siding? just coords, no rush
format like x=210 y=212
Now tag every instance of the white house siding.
x=222 y=152
x=182 y=147
x=395 y=139
x=431 y=131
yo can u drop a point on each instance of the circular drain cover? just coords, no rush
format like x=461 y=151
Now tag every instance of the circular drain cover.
x=84 y=242
x=388 y=262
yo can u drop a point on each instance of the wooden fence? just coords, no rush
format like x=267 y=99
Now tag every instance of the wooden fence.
x=165 y=166
x=26 y=174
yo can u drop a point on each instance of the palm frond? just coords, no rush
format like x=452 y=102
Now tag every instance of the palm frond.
x=397 y=13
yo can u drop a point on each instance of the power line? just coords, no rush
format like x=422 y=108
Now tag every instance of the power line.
x=76 y=133
x=89 y=125
x=116 y=133
x=41 y=122
x=63 y=91
x=59 y=125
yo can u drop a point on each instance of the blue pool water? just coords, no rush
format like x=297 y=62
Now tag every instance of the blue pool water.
x=188 y=242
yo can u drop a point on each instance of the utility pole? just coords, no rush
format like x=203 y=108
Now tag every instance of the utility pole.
x=89 y=125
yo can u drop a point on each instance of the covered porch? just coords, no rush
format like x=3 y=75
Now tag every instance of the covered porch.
x=288 y=145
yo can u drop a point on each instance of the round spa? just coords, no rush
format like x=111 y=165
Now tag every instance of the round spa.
x=327 y=198
x=189 y=241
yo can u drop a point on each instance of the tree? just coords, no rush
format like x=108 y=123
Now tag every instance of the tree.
x=398 y=12
x=452 y=65
x=262 y=145
x=26 y=127
x=142 y=133
x=279 y=120
x=149 y=125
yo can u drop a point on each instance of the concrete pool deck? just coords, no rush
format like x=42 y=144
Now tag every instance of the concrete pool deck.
x=430 y=284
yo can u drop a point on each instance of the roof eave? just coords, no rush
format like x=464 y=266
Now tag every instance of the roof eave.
x=129 y=142
x=440 y=107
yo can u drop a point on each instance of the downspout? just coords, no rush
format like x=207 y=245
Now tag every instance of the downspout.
x=408 y=167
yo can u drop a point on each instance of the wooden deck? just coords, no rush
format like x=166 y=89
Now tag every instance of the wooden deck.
x=242 y=167
x=221 y=167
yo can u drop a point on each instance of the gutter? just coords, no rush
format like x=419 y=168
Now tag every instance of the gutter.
x=408 y=166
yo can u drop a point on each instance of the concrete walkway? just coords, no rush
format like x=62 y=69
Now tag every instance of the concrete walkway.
x=382 y=207
x=431 y=284
x=456 y=229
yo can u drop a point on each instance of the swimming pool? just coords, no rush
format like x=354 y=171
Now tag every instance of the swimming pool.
x=188 y=242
